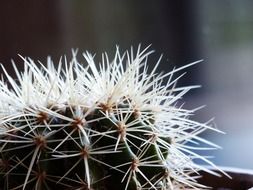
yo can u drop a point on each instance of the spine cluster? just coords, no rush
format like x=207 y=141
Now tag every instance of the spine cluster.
x=108 y=126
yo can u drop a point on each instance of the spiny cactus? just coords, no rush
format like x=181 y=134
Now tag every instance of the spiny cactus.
x=98 y=127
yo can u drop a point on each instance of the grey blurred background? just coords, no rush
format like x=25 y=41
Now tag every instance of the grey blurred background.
x=218 y=31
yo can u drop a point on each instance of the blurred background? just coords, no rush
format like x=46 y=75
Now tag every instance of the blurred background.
x=218 y=31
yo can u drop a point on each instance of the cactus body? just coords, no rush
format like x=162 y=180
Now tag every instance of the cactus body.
x=76 y=127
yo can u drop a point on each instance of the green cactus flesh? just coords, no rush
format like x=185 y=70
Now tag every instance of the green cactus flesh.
x=117 y=150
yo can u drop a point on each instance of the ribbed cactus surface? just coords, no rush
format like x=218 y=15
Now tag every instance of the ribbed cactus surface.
x=107 y=126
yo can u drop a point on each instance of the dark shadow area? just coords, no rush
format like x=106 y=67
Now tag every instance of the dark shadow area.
x=38 y=29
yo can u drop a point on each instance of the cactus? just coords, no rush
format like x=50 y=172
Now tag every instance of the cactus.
x=98 y=127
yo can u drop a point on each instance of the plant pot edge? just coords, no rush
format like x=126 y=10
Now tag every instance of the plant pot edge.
x=240 y=178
